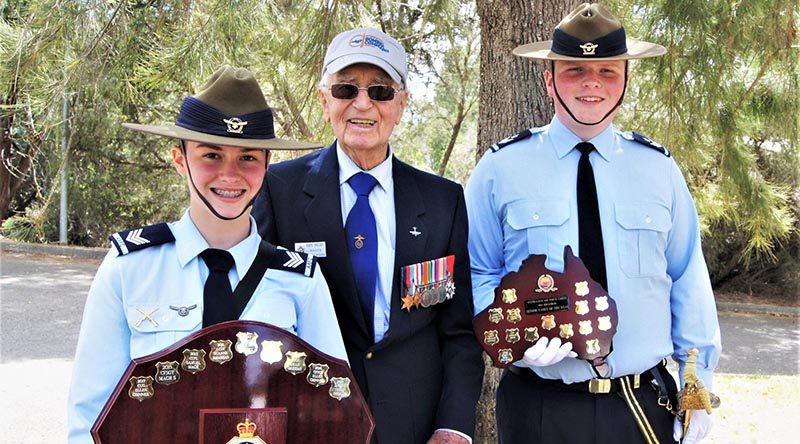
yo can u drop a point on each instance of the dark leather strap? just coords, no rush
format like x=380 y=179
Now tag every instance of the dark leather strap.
x=246 y=287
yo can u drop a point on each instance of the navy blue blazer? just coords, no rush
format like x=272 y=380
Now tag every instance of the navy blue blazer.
x=426 y=372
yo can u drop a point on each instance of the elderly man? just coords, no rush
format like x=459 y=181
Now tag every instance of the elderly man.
x=392 y=243
x=620 y=200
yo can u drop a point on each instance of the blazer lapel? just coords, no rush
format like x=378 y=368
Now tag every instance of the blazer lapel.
x=411 y=234
x=324 y=220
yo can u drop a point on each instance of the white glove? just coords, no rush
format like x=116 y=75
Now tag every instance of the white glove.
x=546 y=352
x=700 y=424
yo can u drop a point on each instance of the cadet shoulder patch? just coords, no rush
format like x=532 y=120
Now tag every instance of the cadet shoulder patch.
x=288 y=260
x=509 y=140
x=140 y=238
x=646 y=141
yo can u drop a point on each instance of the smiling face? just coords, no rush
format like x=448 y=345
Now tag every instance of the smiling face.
x=362 y=126
x=227 y=177
x=590 y=89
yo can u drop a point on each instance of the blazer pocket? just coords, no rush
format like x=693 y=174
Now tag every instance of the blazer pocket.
x=642 y=229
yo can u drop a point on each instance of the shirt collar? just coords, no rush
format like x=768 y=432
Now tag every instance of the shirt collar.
x=189 y=243
x=565 y=140
x=382 y=172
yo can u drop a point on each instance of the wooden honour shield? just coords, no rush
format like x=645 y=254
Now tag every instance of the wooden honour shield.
x=535 y=302
x=229 y=380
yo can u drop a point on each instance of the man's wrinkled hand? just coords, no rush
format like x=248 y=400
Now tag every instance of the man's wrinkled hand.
x=700 y=424
x=547 y=352
x=444 y=437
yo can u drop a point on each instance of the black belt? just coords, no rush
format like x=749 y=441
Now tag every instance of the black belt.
x=595 y=386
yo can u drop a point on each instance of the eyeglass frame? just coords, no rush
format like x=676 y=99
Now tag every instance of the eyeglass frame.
x=366 y=88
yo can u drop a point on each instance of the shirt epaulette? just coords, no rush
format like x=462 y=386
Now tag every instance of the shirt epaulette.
x=509 y=140
x=646 y=141
x=140 y=238
x=288 y=260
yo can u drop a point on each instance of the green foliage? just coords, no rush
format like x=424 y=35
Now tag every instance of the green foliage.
x=724 y=100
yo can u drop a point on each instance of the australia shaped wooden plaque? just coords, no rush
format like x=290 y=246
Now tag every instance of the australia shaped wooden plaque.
x=536 y=302
x=236 y=375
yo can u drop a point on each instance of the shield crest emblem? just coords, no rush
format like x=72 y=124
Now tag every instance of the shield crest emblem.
x=246 y=342
x=340 y=388
x=271 y=351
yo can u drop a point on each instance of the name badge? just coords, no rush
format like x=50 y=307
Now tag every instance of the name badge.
x=315 y=248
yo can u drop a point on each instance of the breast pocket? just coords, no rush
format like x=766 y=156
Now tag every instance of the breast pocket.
x=157 y=326
x=542 y=223
x=642 y=237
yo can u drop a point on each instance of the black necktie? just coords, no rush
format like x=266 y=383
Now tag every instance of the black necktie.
x=362 y=243
x=218 y=304
x=590 y=234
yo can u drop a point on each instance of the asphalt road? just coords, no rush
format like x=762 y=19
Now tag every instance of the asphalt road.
x=41 y=303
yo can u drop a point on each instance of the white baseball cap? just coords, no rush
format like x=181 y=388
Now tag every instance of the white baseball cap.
x=367 y=45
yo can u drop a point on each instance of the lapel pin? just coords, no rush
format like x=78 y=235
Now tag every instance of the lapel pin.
x=146 y=316
x=184 y=310
x=414 y=232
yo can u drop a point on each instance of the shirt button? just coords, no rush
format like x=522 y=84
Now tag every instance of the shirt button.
x=369 y=355
x=648 y=219
x=536 y=216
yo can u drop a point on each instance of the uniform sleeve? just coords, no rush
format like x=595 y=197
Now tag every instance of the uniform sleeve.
x=486 y=234
x=103 y=351
x=461 y=353
x=694 y=313
x=316 y=319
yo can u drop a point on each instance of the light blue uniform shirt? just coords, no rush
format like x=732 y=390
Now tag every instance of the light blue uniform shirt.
x=521 y=200
x=113 y=330
x=381 y=200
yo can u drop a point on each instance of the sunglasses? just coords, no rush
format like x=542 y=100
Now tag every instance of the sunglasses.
x=347 y=91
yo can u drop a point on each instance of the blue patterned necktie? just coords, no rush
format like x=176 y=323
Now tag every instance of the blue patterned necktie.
x=362 y=243
x=590 y=233
x=218 y=303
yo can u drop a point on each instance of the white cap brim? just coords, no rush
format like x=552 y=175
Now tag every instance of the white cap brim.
x=344 y=61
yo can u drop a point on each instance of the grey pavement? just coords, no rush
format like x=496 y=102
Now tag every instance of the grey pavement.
x=43 y=289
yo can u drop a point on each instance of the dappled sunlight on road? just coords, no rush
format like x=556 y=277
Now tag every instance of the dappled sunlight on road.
x=33 y=400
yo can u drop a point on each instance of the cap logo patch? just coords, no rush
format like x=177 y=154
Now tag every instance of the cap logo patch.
x=235 y=125
x=588 y=48
x=364 y=40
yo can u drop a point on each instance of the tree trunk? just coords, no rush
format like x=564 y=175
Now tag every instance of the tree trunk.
x=512 y=98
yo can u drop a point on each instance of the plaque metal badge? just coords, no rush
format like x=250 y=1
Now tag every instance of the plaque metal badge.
x=271 y=351
x=340 y=388
x=295 y=362
x=247 y=434
x=220 y=351
x=513 y=315
x=317 y=374
x=539 y=302
x=167 y=373
x=509 y=295
x=141 y=388
x=246 y=342
x=505 y=356
x=194 y=360
x=491 y=337
x=512 y=335
x=531 y=334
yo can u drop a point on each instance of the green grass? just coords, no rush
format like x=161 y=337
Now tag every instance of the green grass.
x=756 y=409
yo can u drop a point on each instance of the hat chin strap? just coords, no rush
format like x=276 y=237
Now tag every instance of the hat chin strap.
x=200 y=195
x=558 y=96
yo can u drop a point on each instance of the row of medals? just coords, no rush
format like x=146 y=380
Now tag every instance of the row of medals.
x=168 y=372
x=566 y=331
x=431 y=294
